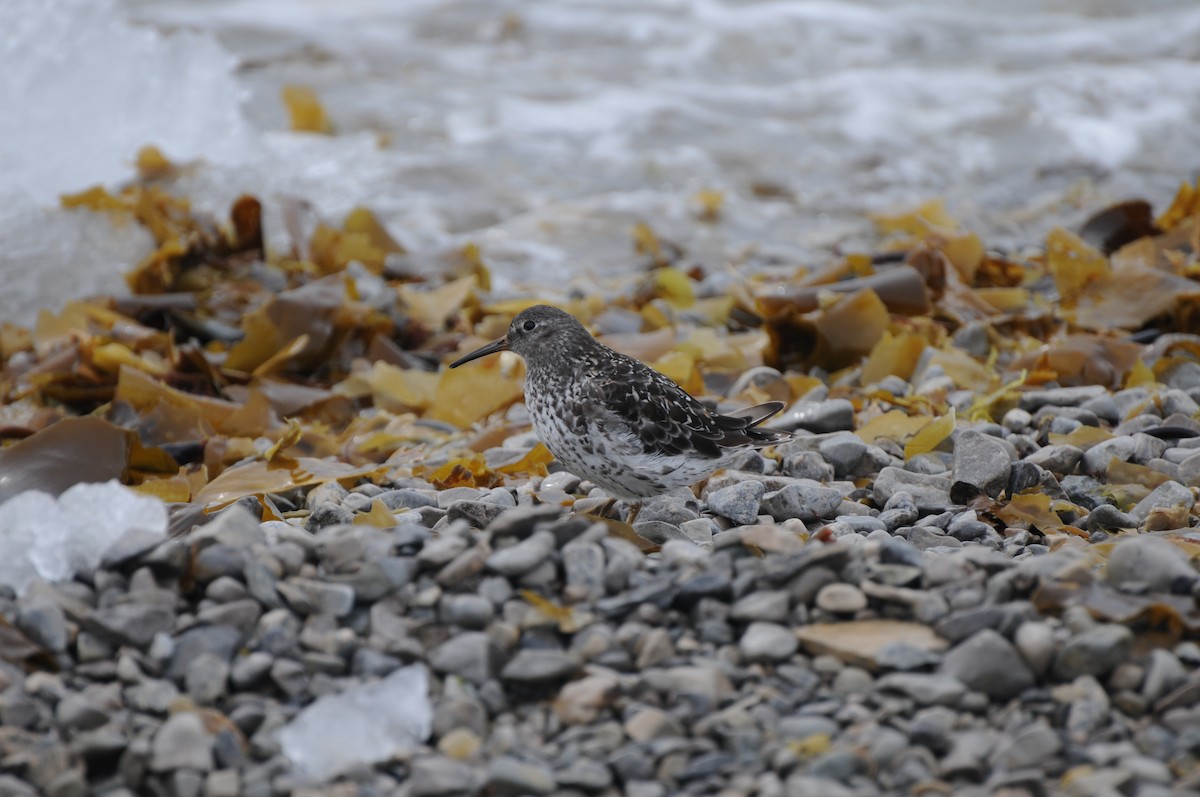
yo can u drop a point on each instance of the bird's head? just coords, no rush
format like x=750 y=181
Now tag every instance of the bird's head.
x=540 y=330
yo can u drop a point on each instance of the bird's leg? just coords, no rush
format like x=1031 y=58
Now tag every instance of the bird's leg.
x=602 y=510
x=633 y=512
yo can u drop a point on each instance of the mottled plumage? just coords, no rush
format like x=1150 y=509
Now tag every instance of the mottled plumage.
x=616 y=421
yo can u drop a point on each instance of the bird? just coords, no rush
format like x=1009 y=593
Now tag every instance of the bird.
x=616 y=421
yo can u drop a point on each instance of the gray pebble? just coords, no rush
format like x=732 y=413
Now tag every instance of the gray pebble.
x=182 y=743
x=524 y=556
x=763 y=641
x=988 y=663
x=738 y=502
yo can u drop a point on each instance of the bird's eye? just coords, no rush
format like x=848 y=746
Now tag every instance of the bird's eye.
x=530 y=326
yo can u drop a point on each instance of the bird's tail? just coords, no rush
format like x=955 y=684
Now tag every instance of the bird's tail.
x=745 y=423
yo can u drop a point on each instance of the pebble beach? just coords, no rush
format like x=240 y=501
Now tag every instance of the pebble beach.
x=258 y=540
x=823 y=620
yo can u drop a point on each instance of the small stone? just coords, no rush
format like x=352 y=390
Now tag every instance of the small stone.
x=511 y=777
x=1148 y=561
x=982 y=461
x=1164 y=673
x=439 y=776
x=1029 y=747
x=459 y=744
x=535 y=667
x=80 y=713
x=134 y=623
x=802 y=501
x=738 y=502
x=524 y=556
x=932 y=492
x=841 y=598
x=1035 y=641
x=988 y=663
x=858 y=642
x=767 y=642
x=1169 y=494
x=468 y=655
x=182 y=743
x=771 y=606
x=926 y=688
x=469 y=611
x=479 y=514
x=45 y=623
x=652 y=723
x=1094 y=652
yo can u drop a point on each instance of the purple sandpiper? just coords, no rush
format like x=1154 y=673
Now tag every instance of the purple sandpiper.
x=616 y=421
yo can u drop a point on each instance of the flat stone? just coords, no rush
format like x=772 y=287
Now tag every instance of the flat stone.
x=859 y=642
x=479 y=514
x=133 y=623
x=1029 y=747
x=535 y=667
x=928 y=689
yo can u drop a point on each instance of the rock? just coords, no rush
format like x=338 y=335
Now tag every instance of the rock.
x=1149 y=561
x=1060 y=459
x=767 y=642
x=802 y=500
x=79 y=713
x=584 y=566
x=928 y=492
x=1029 y=747
x=439 y=776
x=524 y=556
x=220 y=641
x=821 y=417
x=772 y=606
x=1169 y=494
x=859 y=642
x=479 y=514
x=1164 y=672
x=510 y=776
x=738 y=502
x=926 y=688
x=45 y=623
x=539 y=667
x=841 y=598
x=982 y=461
x=652 y=723
x=182 y=743
x=205 y=678
x=1093 y=652
x=133 y=623
x=1035 y=641
x=988 y=663
x=469 y=655
x=580 y=702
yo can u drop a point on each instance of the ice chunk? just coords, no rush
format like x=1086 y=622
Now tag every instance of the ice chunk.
x=361 y=726
x=57 y=538
x=82 y=90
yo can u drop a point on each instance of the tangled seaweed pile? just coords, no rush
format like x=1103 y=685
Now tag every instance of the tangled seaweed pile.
x=972 y=570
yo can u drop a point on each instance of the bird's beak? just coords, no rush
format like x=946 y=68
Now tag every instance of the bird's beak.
x=482 y=351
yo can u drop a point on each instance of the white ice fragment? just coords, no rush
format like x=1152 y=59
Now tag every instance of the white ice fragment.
x=361 y=726
x=57 y=538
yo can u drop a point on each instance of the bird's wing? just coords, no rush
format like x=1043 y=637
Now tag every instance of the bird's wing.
x=664 y=419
